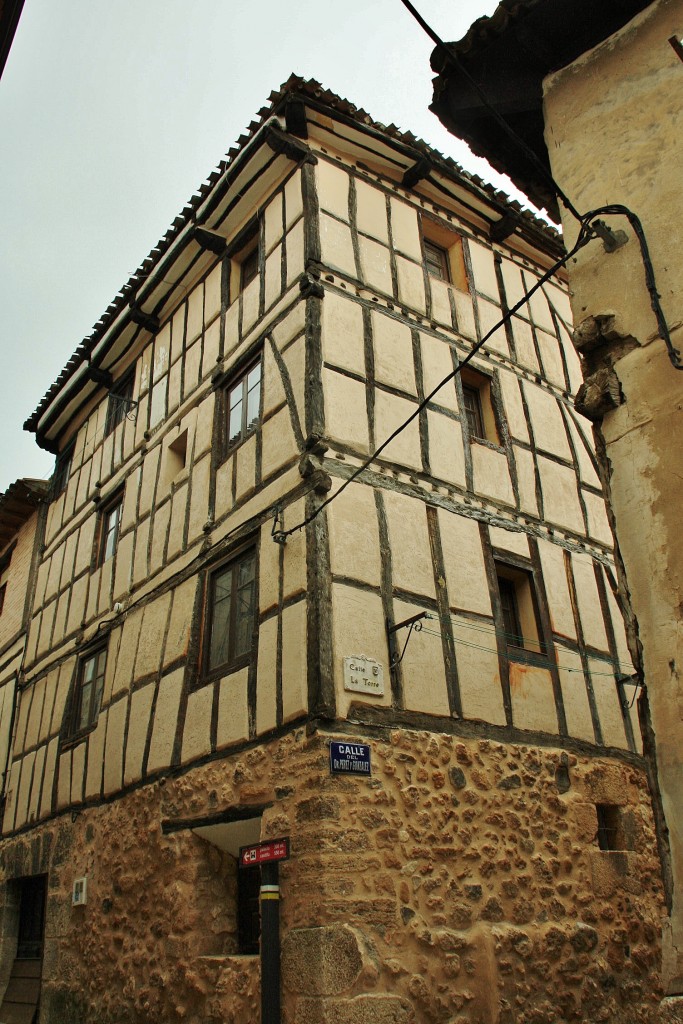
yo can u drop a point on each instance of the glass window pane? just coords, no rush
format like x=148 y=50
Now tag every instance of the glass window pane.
x=244 y=619
x=254 y=377
x=219 y=648
x=235 y=422
x=84 y=717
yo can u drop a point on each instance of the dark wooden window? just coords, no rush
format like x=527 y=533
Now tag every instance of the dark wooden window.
x=230 y=613
x=244 y=404
x=610 y=833
x=88 y=690
x=248 y=911
x=473 y=412
x=120 y=401
x=436 y=260
x=249 y=266
x=511 y=622
x=108 y=529
x=519 y=607
x=60 y=477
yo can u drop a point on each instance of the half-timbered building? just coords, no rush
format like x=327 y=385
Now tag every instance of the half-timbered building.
x=217 y=602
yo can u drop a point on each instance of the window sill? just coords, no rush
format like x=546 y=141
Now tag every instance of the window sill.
x=485 y=443
x=524 y=657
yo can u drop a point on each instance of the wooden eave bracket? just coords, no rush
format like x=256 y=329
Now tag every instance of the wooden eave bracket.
x=209 y=240
x=421 y=169
x=142 y=319
x=282 y=143
x=503 y=228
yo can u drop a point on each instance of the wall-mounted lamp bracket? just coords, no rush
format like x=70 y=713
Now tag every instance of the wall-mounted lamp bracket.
x=413 y=623
x=278 y=532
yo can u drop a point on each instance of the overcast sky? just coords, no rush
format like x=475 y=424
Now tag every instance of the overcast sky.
x=112 y=112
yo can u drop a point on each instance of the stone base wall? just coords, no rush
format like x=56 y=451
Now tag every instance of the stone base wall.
x=462 y=882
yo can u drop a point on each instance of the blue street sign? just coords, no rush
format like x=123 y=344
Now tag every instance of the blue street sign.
x=349 y=758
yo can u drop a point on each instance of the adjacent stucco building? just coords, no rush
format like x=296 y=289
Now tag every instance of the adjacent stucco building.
x=203 y=628
x=595 y=92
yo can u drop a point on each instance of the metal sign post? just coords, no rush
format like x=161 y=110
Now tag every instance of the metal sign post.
x=268 y=856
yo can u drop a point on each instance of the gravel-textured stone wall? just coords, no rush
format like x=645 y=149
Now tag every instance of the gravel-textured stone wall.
x=462 y=882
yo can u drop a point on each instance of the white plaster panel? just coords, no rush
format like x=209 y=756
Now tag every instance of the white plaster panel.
x=333 y=189
x=411 y=556
x=273 y=221
x=514 y=409
x=358 y=628
x=557 y=589
x=295 y=553
x=491 y=474
x=538 y=303
x=411 y=287
x=197 y=727
x=127 y=650
x=390 y=413
x=165 y=720
x=533 y=703
x=598 y=524
x=293 y=200
x=140 y=709
x=623 y=653
x=177 y=329
x=266 y=689
x=546 y=421
x=192 y=364
x=607 y=701
x=113 y=753
x=512 y=281
x=199 y=500
x=441 y=304
x=25 y=789
x=553 y=367
x=273 y=277
x=526 y=481
x=575 y=696
x=404 y=229
x=178 y=634
x=478 y=674
x=437 y=364
x=509 y=540
x=560 y=497
x=485 y=280
x=294 y=665
x=250 y=303
x=295 y=252
x=212 y=294
x=160 y=522
x=93 y=779
x=354 y=535
x=140 y=556
x=464 y=563
x=342 y=333
x=588 y=600
x=587 y=471
x=464 y=312
x=446 y=454
x=245 y=459
x=371 y=211
x=212 y=338
x=336 y=245
x=195 y=314
x=150 y=644
x=489 y=316
x=233 y=715
x=48 y=777
x=279 y=443
x=375 y=265
x=393 y=346
x=38 y=770
x=422 y=669
x=345 y=410
x=524 y=344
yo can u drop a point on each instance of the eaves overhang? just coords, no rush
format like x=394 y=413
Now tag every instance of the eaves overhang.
x=508 y=55
x=270 y=144
x=17 y=504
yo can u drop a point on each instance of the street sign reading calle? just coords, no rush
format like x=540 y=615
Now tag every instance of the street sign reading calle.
x=349 y=758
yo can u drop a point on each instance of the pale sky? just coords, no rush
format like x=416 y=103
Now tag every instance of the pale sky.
x=112 y=113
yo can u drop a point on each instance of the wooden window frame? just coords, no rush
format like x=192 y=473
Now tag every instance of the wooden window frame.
x=234 y=661
x=120 y=401
x=240 y=381
x=436 y=261
x=479 y=386
x=62 y=471
x=75 y=730
x=114 y=506
x=519 y=605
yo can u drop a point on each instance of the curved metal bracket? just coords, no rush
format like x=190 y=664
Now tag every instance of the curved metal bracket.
x=413 y=623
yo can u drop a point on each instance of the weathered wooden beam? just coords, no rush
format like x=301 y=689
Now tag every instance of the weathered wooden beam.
x=422 y=169
x=142 y=319
x=209 y=240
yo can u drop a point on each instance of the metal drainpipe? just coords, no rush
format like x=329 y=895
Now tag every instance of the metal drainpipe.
x=270 y=943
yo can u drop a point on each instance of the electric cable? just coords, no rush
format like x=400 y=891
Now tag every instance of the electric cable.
x=586 y=233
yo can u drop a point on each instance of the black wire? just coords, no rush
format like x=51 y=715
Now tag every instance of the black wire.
x=453 y=59
x=585 y=235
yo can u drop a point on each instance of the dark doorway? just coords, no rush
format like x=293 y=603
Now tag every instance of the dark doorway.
x=32 y=918
x=248 y=911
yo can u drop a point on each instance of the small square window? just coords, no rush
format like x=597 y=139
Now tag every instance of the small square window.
x=436 y=261
x=610 y=834
x=60 y=476
x=231 y=609
x=243 y=400
x=120 y=401
x=109 y=523
x=519 y=609
x=478 y=406
x=249 y=267
x=88 y=690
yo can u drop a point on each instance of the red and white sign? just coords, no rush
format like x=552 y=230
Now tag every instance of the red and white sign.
x=262 y=853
